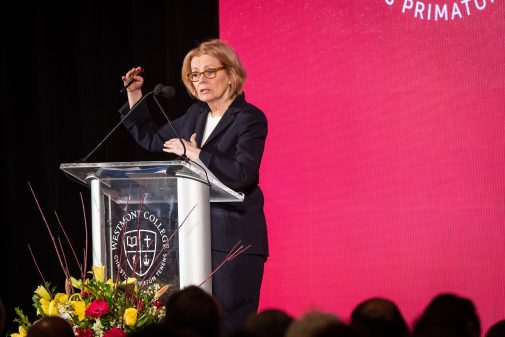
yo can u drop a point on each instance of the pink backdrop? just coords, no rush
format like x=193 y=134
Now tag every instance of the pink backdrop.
x=384 y=167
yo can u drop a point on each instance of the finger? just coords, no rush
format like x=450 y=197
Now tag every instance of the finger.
x=133 y=72
x=128 y=76
x=193 y=139
x=130 y=73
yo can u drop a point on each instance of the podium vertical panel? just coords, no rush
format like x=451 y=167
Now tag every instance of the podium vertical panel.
x=97 y=223
x=194 y=234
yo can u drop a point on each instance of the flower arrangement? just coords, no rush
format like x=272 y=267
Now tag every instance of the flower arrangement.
x=93 y=306
x=98 y=308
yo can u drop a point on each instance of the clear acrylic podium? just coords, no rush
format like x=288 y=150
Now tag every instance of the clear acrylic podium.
x=151 y=220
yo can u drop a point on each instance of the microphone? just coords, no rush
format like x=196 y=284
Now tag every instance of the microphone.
x=159 y=89
x=168 y=91
x=165 y=91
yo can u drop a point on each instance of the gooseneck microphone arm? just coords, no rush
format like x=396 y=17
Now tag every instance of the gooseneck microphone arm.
x=169 y=92
x=156 y=90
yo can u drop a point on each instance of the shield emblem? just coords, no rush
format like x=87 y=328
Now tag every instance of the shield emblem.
x=140 y=250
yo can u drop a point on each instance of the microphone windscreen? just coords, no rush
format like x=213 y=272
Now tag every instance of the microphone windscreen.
x=158 y=88
x=168 y=91
x=165 y=91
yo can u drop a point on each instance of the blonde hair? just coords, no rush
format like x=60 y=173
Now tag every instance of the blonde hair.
x=228 y=58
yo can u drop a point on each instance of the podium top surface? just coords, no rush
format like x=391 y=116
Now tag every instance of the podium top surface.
x=159 y=171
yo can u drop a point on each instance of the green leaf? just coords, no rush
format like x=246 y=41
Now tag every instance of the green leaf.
x=21 y=318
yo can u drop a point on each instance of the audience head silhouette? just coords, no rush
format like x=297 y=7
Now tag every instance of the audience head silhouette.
x=312 y=324
x=379 y=317
x=336 y=329
x=497 y=329
x=269 y=323
x=159 y=330
x=450 y=313
x=53 y=326
x=152 y=330
x=194 y=310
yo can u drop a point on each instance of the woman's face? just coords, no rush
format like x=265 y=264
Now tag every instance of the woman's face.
x=210 y=90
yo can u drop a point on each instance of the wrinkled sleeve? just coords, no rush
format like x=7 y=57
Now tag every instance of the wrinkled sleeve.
x=148 y=134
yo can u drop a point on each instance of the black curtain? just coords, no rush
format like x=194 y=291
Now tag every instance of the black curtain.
x=61 y=68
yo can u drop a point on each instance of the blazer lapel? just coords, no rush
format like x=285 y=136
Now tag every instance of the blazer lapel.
x=228 y=118
x=225 y=121
x=200 y=127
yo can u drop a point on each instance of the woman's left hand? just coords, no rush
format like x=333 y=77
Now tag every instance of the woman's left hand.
x=174 y=146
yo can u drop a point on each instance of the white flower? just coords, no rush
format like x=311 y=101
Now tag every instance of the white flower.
x=98 y=328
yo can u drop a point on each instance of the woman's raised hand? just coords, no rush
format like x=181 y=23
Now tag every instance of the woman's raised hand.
x=133 y=81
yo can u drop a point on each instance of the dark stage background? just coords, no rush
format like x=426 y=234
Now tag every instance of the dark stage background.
x=61 y=70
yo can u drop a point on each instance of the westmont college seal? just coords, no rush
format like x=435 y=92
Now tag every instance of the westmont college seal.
x=140 y=246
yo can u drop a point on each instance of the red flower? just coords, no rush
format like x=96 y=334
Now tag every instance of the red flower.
x=114 y=332
x=84 y=332
x=97 y=308
x=157 y=304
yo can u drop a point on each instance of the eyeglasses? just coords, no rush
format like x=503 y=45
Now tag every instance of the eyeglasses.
x=208 y=73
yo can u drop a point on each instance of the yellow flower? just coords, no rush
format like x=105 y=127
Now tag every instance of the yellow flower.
x=130 y=280
x=76 y=283
x=60 y=297
x=45 y=306
x=130 y=316
x=42 y=292
x=110 y=282
x=49 y=308
x=22 y=332
x=98 y=273
x=53 y=309
x=79 y=309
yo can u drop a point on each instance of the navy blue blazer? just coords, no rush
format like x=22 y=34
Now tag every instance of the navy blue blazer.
x=233 y=153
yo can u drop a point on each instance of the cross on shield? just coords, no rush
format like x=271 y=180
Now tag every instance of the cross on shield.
x=140 y=250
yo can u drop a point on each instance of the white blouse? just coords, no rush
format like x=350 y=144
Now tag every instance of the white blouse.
x=210 y=126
